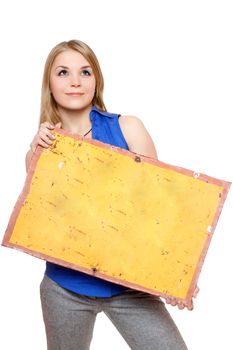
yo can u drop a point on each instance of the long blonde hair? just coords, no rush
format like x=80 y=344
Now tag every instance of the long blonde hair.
x=48 y=109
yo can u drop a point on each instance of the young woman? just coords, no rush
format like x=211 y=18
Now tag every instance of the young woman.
x=72 y=99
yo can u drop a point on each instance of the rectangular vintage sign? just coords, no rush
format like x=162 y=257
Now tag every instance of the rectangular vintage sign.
x=117 y=215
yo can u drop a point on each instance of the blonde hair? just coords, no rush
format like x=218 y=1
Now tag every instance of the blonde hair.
x=48 y=109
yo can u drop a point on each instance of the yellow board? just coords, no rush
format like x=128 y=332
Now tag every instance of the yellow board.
x=117 y=215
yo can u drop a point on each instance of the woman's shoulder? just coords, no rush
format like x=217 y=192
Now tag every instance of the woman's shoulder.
x=137 y=136
x=130 y=124
x=128 y=117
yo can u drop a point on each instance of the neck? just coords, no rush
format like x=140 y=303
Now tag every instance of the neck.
x=76 y=121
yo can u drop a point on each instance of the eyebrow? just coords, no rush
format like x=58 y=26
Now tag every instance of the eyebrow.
x=68 y=67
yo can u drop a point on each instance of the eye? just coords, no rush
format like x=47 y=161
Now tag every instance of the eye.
x=87 y=71
x=63 y=70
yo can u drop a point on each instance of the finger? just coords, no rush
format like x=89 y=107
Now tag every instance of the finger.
x=168 y=300
x=43 y=144
x=44 y=130
x=58 y=125
x=190 y=306
x=181 y=306
x=33 y=146
x=47 y=125
x=173 y=302
x=45 y=138
x=196 y=291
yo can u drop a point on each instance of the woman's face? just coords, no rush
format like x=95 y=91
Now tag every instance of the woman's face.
x=71 y=73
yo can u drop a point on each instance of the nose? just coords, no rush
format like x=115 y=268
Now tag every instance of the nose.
x=75 y=81
x=75 y=85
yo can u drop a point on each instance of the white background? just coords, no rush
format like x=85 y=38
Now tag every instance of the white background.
x=170 y=63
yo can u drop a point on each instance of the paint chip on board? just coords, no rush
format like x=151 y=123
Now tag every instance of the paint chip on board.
x=196 y=175
x=60 y=165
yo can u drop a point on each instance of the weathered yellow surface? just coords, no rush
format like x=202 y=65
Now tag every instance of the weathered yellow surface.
x=135 y=221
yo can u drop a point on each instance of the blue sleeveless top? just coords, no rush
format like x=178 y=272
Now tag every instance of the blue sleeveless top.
x=105 y=128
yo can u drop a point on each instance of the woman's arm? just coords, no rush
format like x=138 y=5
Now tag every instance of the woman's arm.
x=137 y=137
x=28 y=159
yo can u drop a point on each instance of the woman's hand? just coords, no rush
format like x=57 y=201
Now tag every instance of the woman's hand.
x=181 y=305
x=43 y=137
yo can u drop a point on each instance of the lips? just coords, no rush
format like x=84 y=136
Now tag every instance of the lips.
x=74 y=93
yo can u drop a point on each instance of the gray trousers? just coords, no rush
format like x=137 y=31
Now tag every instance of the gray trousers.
x=141 y=318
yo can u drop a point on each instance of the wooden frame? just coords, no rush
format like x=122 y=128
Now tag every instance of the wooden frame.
x=117 y=215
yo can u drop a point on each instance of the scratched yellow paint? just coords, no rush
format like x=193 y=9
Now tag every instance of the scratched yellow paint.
x=134 y=221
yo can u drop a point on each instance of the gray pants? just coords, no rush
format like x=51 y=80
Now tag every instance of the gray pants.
x=141 y=318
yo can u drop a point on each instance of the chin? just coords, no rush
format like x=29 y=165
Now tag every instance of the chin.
x=76 y=106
